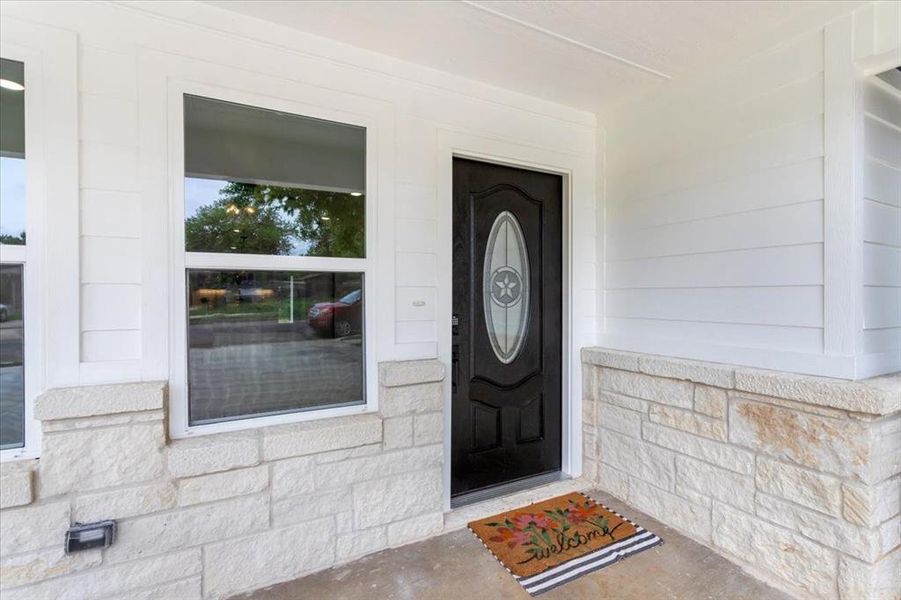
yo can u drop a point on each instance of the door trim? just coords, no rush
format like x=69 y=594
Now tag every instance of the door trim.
x=455 y=144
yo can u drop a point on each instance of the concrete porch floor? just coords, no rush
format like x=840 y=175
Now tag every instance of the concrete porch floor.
x=456 y=565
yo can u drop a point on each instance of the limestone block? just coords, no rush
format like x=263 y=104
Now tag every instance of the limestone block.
x=800 y=562
x=339 y=455
x=627 y=422
x=398 y=433
x=728 y=457
x=692 y=495
x=410 y=372
x=824 y=444
x=428 y=429
x=122 y=503
x=627 y=402
x=22 y=569
x=293 y=476
x=104 y=582
x=87 y=401
x=690 y=370
x=871 y=505
x=212 y=453
x=218 y=486
x=299 y=509
x=186 y=589
x=647 y=387
x=95 y=458
x=589 y=410
x=299 y=439
x=589 y=445
x=400 y=401
x=884 y=446
x=417 y=528
x=103 y=421
x=265 y=558
x=33 y=527
x=613 y=481
x=396 y=498
x=858 y=580
x=612 y=359
x=721 y=484
x=890 y=534
x=16 y=489
x=711 y=401
x=865 y=544
x=643 y=460
x=807 y=488
x=693 y=520
x=689 y=421
x=357 y=543
x=188 y=527
x=880 y=396
x=351 y=471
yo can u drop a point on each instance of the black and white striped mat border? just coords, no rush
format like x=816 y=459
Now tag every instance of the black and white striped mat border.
x=547 y=580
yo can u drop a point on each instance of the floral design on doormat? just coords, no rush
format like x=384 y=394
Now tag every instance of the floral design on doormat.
x=548 y=543
x=552 y=530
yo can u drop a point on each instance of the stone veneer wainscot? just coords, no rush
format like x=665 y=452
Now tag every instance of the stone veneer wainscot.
x=795 y=478
x=215 y=515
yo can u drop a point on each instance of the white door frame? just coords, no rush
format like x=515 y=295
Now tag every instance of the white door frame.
x=578 y=195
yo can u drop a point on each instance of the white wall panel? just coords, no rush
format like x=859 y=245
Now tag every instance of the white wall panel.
x=781 y=226
x=786 y=265
x=789 y=306
x=882 y=183
x=795 y=339
x=113 y=346
x=110 y=306
x=714 y=226
x=110 y=214
x=791 y=184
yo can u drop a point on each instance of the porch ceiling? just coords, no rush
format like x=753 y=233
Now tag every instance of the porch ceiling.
x=586 y=54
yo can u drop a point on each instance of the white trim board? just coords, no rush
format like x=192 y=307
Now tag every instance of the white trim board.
x=52 y=251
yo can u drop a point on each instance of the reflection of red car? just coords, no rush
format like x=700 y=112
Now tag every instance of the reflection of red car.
x=338 y=319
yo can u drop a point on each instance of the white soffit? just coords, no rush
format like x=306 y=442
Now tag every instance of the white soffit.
x=580 y=53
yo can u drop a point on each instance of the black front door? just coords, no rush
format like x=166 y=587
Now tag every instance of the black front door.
x=508 y=325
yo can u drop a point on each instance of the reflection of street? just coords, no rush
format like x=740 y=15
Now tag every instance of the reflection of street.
x=12 y=406
x=11 y=342
x=12 y=384
x=242 y=367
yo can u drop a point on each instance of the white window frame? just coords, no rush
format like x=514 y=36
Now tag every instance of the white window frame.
x=181 y=260
x=30 y=255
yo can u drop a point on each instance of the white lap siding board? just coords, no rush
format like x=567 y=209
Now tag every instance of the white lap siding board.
x=714 y=222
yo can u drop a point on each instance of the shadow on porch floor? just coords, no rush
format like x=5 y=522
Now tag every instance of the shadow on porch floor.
x=456 y=566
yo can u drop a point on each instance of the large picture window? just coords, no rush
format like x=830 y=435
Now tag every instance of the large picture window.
x=274 y=231
x=13 y=255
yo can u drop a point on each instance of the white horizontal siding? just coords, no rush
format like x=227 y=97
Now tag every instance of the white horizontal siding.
x=881 y=225
x=791 y=184
x=786 y=265
x=795 y=339
x=882 y=183
x=789 y=306
x=780 y=226
x=714 y=219
x=881 y=265
x=103 y=346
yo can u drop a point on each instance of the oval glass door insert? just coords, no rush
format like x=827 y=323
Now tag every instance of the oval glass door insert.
x=505 y=287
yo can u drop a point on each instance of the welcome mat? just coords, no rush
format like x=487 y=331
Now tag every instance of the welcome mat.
x=549 y=543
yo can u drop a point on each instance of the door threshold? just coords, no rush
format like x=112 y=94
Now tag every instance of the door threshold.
x=505 y=488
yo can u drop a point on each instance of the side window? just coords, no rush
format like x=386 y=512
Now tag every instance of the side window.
x=275 y=262
x=13 y=255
